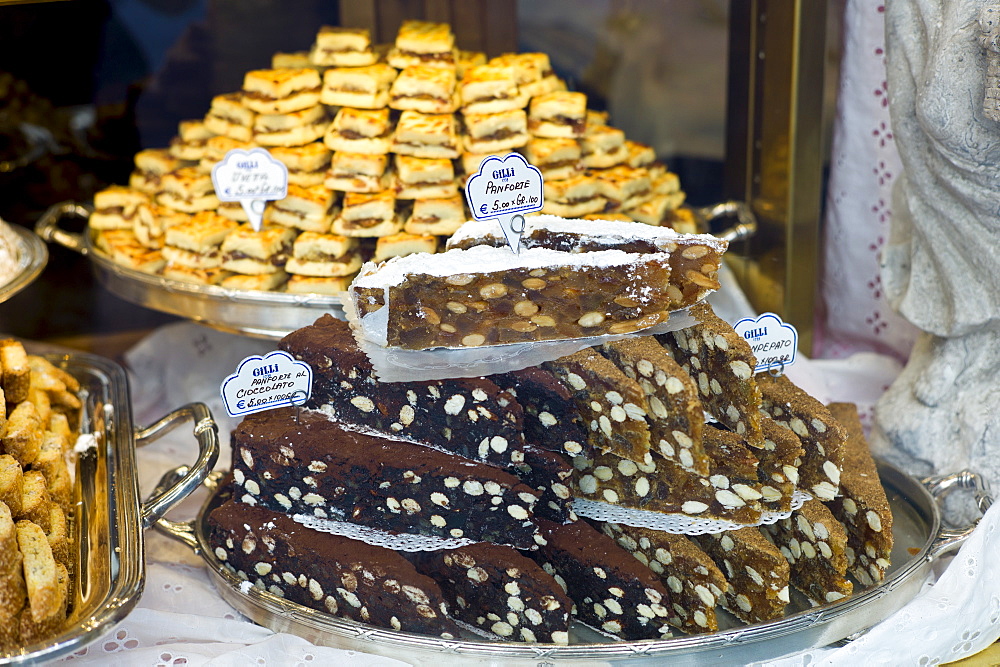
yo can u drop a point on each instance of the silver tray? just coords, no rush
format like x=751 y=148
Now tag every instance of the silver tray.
x=32 y=256
x=109 y=519
x=253 y=313
x=920 y=539
x=269 y=315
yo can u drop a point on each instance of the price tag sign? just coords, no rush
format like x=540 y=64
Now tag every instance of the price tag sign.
x=773 y=342
x=252 y=178
x=505 y=188
x=265 y=383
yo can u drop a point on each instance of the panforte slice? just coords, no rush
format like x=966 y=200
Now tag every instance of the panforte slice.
x=822 y=436
x=757 y=573
x=694 y=583
x=722 y=363
x=612 y=406
x=675 y=415
x=694 y=258
x=862 y=505
x=613 y=592
x=814 y=544
x=499 y=590
x=469 y=416
x=299 y=462
x=551 y=475
x=490 y=296
x=778 y=471
x=729 y=492
x=551 y=420
x=330 y=573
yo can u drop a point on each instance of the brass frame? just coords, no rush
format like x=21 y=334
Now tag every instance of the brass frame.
x=774 y=151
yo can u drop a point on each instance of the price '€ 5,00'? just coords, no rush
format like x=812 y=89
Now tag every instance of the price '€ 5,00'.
x=505 y=188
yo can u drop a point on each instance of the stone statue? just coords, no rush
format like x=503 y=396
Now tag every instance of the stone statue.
x=941 y=267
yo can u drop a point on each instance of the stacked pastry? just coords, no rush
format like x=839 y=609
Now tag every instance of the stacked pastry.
x=378 y=142
x=500 y=460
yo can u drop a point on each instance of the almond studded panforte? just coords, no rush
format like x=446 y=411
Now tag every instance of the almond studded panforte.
x=490 y=296
x=694 y=259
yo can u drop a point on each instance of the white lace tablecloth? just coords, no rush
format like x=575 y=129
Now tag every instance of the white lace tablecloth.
x=181 y=619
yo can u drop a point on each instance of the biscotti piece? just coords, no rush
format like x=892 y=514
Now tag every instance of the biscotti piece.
x=551 y=420
x=694 y=582
x=13 y=593
x=778 y=471
x=330 y=573
x=469 y=416
x=862 y=506
x=757 y=573
x=45 y=597
x=675 y=414
x=814 y=544
x=551 y=475
x=695 y=259
x=497 y=589
x=51 y=462
x=11 y=483
x=299 y=462
x=822 y=436
x=613 y=592
x=23 y=437
x=16 y=371
x=32 y=629
x=722 y=363
x=36 y=502
x=730 y=491
x=490 y=296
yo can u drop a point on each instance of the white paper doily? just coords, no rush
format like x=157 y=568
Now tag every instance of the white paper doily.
x=679 y=524
x=381 y=538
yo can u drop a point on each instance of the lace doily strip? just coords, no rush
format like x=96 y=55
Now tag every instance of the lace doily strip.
x=380 y=538
x=679 y=524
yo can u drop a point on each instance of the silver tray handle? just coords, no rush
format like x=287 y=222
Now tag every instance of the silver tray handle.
x=939 y=487
x=48 y=226
x=206 y=431
x=183 y=531
x=746 y=221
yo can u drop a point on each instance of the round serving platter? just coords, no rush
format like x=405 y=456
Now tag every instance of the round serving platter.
x=920 y=538
x=253 y=313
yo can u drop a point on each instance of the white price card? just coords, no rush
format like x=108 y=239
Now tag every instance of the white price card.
x=773 y=342
x=265 y=383
x=505 y=188
x=251 y=177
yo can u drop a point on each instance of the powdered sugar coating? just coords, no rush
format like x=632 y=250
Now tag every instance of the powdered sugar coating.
x=612 y=232
x=482 y=259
